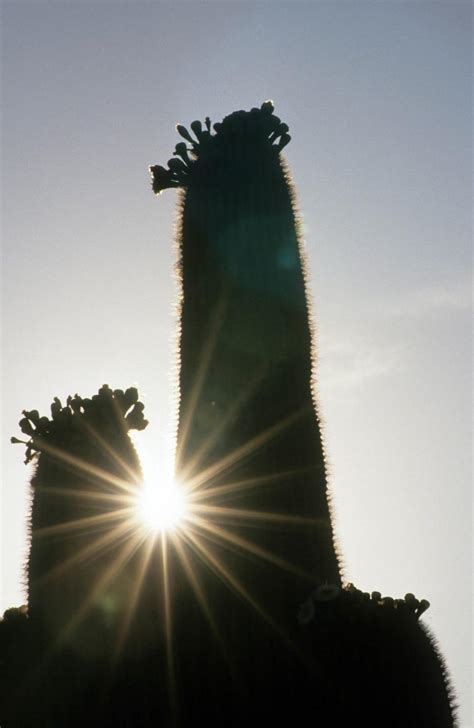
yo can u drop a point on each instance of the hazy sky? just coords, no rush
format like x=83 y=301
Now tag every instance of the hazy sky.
x=377 y=96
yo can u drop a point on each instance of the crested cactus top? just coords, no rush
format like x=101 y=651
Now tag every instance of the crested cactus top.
x=105 y=408
x=257 y=130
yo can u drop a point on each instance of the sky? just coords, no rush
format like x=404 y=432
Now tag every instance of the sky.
x=377 y=96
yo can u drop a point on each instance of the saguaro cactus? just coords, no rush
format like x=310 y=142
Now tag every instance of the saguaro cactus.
x=257 y=536
x=83 y=490
x=247 y=400
x=89 y=618
x=251 y=454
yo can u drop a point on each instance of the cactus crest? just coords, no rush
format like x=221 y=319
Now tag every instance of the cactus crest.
x=102 y=412
x=236 y=138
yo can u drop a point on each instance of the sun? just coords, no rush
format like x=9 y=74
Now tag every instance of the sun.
x=161 y=508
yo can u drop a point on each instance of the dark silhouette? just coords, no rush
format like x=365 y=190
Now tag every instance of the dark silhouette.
x=65 y=656
x=248 y=417
x=249 y=440
x=235 y=638
x=81 y=495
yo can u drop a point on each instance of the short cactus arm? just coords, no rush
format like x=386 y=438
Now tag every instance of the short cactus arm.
x=85 y=461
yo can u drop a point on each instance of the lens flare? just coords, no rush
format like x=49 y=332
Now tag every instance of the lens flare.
x=161 y=508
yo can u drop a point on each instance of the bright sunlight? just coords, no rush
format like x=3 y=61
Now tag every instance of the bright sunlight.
x=161 y=508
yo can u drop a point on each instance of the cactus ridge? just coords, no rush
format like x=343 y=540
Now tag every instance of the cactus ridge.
x=257 y=129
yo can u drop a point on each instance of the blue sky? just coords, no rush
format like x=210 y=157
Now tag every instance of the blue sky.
x=378 y=99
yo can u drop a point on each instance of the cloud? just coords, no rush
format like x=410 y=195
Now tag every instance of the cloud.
x=380 y=337
x=434 y=300
x=354 y=363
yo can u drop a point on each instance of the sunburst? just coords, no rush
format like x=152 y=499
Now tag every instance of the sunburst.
x=166 y=516
x=161 y=508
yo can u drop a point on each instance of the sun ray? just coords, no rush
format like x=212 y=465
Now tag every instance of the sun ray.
x=83 y=523
x=249 y=547
x=129 y=548
x=197 y=539
x=239 y=486
x=168 y=626
x=134 y=595
x=232 y=582
x=229 y=579
x=204 y=361
x=247 y=514
x=107 y=540
x=131 y=473
x=110 y=573
x=196 y=458
x=119 y=537
x=82 y=494
x=84 y=467
x=198 y=590
x=229 y=460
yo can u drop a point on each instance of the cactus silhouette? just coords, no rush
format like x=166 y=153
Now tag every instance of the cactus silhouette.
x=247 y=407
x=250 y=449
x=81 y=487
x=86 y=552
x=258 y=626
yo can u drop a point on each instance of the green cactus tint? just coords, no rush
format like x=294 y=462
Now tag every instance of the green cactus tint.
x=247 y=411
x=249 y=441
x=257 y=538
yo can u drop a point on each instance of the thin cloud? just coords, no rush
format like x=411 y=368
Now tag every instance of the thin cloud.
x=434 y=300
x=353 y=364
x=358 y=356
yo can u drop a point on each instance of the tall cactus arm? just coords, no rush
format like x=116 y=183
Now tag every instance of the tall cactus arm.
x=247 y=404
